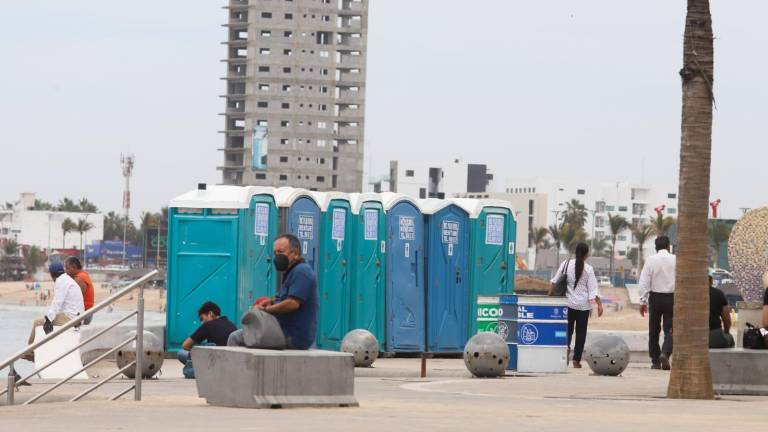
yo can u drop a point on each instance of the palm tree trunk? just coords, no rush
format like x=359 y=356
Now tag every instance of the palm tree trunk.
x=613 y=254
x=691 y=377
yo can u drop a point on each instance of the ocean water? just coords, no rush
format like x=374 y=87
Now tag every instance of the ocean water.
x=17 y=324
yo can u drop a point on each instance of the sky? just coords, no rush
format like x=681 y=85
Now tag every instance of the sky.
x=583 y=89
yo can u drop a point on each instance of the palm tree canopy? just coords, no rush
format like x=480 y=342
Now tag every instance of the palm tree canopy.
x=572 y=236
x=83 y=226
x=599 y=246
x=642 y=232
x=718 y=232
x=575 y=214
x=662 y=224
x=68 y=226
x=538 y=236
x=555 y=232
x=617 y=224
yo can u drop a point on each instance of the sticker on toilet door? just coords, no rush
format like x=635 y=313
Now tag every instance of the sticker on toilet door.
x=339 y=224
x=450 y=249
x=261 y=224
x=494 y=231
x=407 y=250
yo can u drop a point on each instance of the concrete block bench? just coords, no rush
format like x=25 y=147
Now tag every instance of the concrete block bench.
x=255 y=378
x=739 y=371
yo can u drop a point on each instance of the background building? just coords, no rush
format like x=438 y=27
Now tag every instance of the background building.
x=43 y=228
x=426 y=180
x=295 y=93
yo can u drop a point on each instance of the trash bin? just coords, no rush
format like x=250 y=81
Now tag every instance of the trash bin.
x=405 y=330
x=368 y=265
x=334 y=268
x=216 y=252
x=446 y=275
x=542 y=325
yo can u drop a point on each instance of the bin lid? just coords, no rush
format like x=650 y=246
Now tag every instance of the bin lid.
x=356 y=200
x=390 y=199
x=286 y=196
x=475 y=206
x=220 y=197
x=323 y=199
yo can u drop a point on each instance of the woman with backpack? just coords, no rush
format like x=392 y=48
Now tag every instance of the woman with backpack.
x=581 y=289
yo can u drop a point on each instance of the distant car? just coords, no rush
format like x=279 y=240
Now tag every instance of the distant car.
x=604 y=281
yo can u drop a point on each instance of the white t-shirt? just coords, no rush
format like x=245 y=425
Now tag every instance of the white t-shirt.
x=579 y=296
x=67 y=298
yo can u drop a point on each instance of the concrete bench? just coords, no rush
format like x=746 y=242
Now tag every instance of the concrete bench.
x=738 y=371
x=255 y=378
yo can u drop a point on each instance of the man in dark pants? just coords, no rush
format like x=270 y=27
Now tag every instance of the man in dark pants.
x=657 y=298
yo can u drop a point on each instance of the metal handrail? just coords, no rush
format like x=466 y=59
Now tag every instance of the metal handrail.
x=139 y=338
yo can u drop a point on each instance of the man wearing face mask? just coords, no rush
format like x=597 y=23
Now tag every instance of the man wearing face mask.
x=295 y=305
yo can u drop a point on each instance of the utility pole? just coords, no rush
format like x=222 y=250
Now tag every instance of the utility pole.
x=127 y=162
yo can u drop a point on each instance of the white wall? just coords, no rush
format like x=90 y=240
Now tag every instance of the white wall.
x=43 y=228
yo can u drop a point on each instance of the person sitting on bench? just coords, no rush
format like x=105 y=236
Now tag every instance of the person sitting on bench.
x=719 y=319
x=214 y=330
x=296 y=304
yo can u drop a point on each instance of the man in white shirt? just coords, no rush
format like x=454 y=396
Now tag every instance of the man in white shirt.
x=67 y=303
x=657 y=288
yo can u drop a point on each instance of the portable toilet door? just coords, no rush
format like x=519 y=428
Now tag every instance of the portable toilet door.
x=405 y=331
x=258 y=235
x=204 y=256
x=492 y=250
x=446 y=275
x=300 y=216
x=369 y=231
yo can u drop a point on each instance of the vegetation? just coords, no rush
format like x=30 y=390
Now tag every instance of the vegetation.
x=11 y=247
x=617 y=224
x=575 y=215
x=67 y=227
x=33 y=259
x=599 y=246
x=662 y=224
x=719 y=233
x=67 y=205
x=82 y=227
x=691 y=377
x=642 y=233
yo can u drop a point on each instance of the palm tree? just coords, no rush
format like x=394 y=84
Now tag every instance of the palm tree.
x=691 y=376
x=67 y=205
x=617 y=224
x=575 y=214
x=599 y=245
x=86 y=206
x=719 y=233
x=83 y=226
x=556 y=232
x=33 y=258
x=572 y=236
x=538 y=237
x=11 y=247
x=642 y=233
x=662 y=224
x=67 y=227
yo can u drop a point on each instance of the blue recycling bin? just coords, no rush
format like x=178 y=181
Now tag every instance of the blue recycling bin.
x=218 y=238
x=446 y=275
x=405 y=295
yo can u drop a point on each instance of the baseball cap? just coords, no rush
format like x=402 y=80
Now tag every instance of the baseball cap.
x=56 y=267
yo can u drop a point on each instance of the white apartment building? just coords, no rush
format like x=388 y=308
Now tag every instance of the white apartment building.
x=42 y=228
x=635 y=202
x=449 y=179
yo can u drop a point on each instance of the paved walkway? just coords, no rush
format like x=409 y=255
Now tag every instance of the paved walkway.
x=575 y=400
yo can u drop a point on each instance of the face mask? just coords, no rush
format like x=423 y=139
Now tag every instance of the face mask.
x=281 y=262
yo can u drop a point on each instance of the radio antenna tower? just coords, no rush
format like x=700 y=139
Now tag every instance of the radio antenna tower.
x=127 y=162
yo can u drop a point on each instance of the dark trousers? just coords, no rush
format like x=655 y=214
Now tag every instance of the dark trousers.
x=578 y=321
x=660 y=307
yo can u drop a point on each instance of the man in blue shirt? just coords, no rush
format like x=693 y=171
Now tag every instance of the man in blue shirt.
x=295 y=305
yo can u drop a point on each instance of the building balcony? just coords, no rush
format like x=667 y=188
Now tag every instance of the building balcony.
x=234 y=150
x=235 y=60
x=233 y=132
x=236 y=43
x=231 y=166
x=352 y=62
x=352 y=8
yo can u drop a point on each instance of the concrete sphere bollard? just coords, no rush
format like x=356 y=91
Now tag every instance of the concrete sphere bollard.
x=152 y=360
x=486 y=355
x=363 y=346
x=608 y=355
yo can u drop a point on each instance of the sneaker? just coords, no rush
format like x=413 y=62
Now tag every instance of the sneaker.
x=576 y=364
x=664 y=359
x=656 y=366
x=17 y=378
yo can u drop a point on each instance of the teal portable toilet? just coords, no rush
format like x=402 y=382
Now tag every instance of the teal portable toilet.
x=446 y=275
x=334 y=274
x=492 y=250
x=405 y=295
x=367 y=290
x=217 y=242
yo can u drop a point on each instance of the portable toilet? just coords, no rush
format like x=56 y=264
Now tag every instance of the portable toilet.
x=300 y=216
x=446 y=275
x=369 y=231
x=492 y=250
x=405 y=295
x=217 y=237
x=334 y=275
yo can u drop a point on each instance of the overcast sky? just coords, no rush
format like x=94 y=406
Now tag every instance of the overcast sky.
x=584 y=89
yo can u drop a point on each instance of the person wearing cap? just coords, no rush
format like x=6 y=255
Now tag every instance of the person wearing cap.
x=67 y=303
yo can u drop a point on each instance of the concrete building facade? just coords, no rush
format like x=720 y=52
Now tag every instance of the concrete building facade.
x=445 y=180
x=295 y=93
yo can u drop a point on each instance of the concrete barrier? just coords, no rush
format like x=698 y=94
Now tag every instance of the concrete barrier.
x=254 y=378
x=636 y=340
x=739 y=371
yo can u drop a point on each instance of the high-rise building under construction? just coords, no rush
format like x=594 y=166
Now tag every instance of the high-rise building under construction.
x=295 y=93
